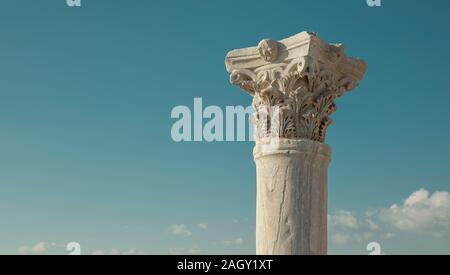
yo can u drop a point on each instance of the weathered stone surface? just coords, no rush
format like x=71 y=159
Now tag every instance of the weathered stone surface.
x=294 y=84
x=291 y=208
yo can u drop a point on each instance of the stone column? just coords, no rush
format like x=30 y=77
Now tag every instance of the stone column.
x=294 y=84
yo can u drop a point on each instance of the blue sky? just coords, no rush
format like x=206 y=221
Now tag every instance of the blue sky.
x=85 y=148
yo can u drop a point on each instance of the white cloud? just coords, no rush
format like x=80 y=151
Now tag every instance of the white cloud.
x=203 y=226
x=372 y=225
x=345 y=228
x=53 y=248
x=237 y=241
x=420 y=211
x=180 y=230
x=343 y=219
x=343 y=238
x=39 y=248
x=417 y=197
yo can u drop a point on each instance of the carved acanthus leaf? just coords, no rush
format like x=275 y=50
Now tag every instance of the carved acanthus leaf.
x=293 y=100
x=294 y=84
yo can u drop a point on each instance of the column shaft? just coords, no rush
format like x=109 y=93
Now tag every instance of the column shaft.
x=291 y=216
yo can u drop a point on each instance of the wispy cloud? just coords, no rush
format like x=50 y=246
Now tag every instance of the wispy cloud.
x=237 y=241
x=180 y=230
x=343 y=219
x=203 y=226
x=39 y=248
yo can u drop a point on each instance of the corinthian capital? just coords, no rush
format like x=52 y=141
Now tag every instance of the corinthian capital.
x=294 y=83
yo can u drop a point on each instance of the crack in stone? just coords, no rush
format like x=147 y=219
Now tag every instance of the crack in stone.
x=281 y=209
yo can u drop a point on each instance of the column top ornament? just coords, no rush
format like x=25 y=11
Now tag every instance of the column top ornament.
x=304 y=44
x=294 y=83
